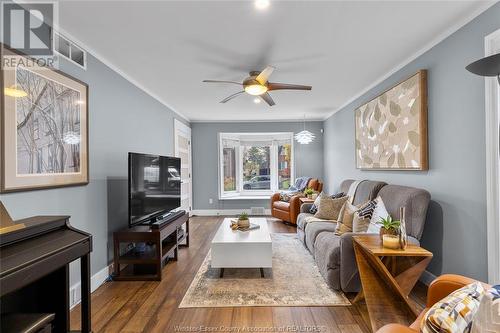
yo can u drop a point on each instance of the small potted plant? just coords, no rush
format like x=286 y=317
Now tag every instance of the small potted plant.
x=389 y=226
x=309 y=192
x=243 y=221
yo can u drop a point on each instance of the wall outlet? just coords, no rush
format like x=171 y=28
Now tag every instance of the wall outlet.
x=210 y=201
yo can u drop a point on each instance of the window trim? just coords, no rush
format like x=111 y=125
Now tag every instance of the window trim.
x=240 y=193
x=492 y=106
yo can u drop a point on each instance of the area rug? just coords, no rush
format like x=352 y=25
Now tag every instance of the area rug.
x=293 y=281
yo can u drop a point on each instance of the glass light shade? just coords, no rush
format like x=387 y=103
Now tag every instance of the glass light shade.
x=262 y=4
x=255 y=89
x=304 y=137
x=13 y=92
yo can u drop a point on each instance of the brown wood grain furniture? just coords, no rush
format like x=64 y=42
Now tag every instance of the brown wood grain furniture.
x=34 y=274
x=387 y=277
x=159 y=244
x=288 y=211
x=304 y=200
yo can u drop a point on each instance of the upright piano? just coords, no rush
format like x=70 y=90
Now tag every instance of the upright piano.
x=34 y=274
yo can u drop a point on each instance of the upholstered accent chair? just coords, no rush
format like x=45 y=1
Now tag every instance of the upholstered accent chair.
x=438 y=289
x=288 y=211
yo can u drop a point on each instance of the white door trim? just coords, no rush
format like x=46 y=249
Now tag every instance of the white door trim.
x=492 y=106
x=181 y=127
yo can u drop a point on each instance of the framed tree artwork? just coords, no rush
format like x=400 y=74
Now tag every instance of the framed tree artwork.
x=391 y=129
x=44 y=126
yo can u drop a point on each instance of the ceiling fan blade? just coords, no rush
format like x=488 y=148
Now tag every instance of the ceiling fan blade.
x=232 y=96
x=282 y=86
x=219 y=81
x=264 y=75
x=267 y=98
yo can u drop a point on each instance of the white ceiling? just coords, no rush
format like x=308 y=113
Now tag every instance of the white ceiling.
x=339 y=47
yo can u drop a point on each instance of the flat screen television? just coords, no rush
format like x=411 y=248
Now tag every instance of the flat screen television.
x=154 y=186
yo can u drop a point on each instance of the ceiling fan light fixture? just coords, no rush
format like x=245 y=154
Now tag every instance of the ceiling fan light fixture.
x=262 y=4
x=255 y=89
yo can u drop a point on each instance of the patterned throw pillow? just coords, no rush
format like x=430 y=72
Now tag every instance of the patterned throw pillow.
x=314 y=207
x=366 y=211
x=379 y=213
x=346 y=217
x=454 y=313
x=329 y=209
x=360 y=224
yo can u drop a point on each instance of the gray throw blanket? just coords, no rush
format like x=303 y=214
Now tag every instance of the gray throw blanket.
x=300 y=184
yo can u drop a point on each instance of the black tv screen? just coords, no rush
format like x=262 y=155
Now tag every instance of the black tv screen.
x=154 y=184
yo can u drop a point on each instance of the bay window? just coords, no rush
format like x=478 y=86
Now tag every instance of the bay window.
x=254 y=164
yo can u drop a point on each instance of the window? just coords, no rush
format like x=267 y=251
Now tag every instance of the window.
x=254 y=164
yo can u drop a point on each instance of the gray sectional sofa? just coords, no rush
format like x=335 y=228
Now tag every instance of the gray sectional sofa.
x=334 y=254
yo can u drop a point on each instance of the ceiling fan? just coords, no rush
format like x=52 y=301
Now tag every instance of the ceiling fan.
x=257 y=84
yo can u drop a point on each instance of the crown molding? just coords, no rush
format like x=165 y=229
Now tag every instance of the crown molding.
x=119 y=71
x=299 y=120
x=441 y=37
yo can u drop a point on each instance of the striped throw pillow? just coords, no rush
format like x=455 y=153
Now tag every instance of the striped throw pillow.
x=454 y=313
x=366 y=211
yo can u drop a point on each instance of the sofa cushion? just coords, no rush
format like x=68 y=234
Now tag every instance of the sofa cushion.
x=314 y=229
x=301 y=220
x=281 y=205
x=415 y=201
x=329 y=209
x=367 y=190
x=327 y=250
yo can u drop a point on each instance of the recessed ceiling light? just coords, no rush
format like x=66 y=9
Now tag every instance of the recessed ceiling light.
x=262 y=4
x=256 y=100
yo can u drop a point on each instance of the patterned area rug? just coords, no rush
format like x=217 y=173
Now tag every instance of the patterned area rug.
x=294 y=281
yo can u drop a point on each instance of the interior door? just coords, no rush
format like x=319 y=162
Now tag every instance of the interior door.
x=182 y=149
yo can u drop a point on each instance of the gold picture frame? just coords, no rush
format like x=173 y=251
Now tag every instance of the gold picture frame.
x=44 y=126
x=391 y=129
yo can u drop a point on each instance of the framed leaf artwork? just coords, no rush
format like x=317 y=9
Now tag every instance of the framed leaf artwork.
x=391 y=129
x=44 y=126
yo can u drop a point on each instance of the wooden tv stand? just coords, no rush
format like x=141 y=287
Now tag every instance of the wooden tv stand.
x=145 y=262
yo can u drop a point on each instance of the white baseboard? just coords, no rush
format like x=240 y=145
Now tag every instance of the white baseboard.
x=223 y=212
x=427 y=277
x=75 y=291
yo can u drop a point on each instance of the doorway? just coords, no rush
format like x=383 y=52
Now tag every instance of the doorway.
x=182 y=149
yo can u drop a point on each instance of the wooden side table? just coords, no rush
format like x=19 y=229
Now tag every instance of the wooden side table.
x=304 y=200
x=387 y=277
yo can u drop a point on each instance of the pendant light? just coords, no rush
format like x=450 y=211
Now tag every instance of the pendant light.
x=304 y=137
x=489 y=66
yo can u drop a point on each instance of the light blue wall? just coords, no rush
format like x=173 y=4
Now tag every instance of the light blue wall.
x=308 y=159
x=456 y=225
x=122 y=118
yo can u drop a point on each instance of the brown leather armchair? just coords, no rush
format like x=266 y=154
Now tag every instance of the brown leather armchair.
x=438 y=289
x=288 y=211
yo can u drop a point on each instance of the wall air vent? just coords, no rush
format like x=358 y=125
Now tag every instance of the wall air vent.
x=257 y=211
x=69 y=50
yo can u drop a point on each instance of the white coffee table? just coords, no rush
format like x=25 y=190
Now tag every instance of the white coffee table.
x=242 y=249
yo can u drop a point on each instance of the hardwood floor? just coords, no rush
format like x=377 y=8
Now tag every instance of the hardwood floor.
x=153 y=306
